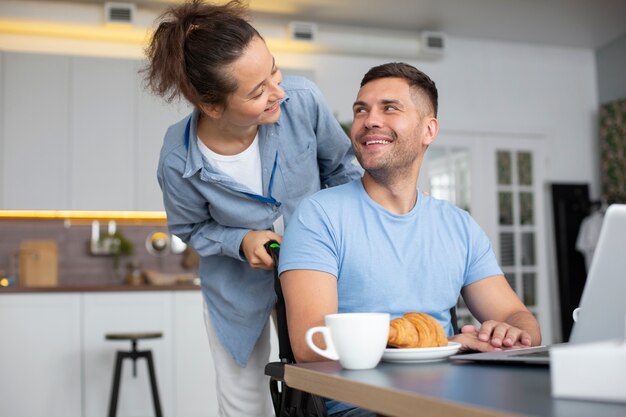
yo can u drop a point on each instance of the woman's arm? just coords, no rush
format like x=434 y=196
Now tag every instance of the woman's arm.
x=189 y=218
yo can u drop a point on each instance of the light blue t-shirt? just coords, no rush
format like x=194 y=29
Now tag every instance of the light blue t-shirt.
x=386 y=262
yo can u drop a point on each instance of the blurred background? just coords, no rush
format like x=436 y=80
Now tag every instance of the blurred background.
x=532 y=143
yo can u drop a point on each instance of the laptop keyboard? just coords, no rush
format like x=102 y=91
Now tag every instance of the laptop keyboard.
x=540 y=354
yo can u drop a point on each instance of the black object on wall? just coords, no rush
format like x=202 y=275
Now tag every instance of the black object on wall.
x=570 y=206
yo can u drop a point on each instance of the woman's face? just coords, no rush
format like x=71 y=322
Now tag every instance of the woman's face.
x=257 y=99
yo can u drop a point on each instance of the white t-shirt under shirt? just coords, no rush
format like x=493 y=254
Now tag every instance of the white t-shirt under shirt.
x=244 y=167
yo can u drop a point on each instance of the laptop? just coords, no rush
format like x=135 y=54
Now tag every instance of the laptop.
x=602 y=305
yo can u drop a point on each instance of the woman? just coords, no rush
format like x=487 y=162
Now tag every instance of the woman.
x=233 y=172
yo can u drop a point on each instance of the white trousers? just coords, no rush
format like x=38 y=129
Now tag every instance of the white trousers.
x=241 y=392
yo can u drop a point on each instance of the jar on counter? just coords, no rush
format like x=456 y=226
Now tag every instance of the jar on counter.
x=133 y=274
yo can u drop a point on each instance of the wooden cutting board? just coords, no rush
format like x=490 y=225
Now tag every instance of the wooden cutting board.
x=39 y=263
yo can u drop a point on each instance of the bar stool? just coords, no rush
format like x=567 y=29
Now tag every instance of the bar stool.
x=133 y=354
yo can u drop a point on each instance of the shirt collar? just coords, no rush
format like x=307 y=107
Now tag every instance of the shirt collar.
x=194 y=161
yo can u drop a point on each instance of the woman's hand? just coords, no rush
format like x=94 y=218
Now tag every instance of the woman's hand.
x=254 y=250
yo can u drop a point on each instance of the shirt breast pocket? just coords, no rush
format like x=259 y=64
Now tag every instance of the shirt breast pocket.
x=300 y=172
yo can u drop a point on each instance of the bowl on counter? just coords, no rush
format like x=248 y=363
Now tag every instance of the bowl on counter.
x=163 y=278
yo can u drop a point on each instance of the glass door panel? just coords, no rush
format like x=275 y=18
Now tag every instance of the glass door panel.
x=447 y=175
x=516 y=212
x=498 y=179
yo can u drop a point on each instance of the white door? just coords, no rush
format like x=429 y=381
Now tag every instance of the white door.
x=498 y=178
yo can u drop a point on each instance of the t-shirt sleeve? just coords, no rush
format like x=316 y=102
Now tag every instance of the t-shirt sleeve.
x=482 y=262
x=309 y=241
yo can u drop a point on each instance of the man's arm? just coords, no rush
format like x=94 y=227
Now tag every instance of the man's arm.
x=309 y=296
x=506 y=322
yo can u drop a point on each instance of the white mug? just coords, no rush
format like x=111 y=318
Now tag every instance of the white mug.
x=357 y=340
x=575 y=314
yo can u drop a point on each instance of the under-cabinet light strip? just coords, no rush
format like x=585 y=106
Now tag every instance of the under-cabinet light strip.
x=82 y=214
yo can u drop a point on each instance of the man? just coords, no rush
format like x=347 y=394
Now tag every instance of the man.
x=377 y=244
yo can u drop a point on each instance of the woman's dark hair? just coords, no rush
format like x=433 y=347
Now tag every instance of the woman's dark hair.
x=412 y=75
x=191 y=48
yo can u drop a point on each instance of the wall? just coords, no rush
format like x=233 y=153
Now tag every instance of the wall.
x=485 y=86
x=611 y=62
x=495 y=88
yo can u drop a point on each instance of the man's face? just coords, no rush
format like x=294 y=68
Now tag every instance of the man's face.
x=390 y=130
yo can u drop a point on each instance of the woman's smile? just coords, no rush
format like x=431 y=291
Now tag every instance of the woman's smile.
x=273 y=108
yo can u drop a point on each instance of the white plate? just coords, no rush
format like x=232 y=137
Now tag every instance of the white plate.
x=400 y=355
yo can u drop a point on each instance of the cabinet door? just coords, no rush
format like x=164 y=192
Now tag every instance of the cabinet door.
x=102 y=134
x=126 y=312
x=193 y=367
x=40 y=355
x=35 y=130
x=154 y=115
x=2 y=133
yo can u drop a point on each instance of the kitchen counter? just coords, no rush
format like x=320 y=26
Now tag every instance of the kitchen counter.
x=99 y=288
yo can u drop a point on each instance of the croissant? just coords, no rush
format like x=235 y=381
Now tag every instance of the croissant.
x=416 y=330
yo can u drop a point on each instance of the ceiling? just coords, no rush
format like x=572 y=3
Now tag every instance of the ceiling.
x=570 y=23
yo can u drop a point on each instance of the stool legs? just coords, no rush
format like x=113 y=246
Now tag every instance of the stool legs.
x=115 y=389
x=117 y=376
x=153 y=384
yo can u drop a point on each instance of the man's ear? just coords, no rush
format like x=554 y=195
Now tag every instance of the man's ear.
x=431 y=129
x=214 y=111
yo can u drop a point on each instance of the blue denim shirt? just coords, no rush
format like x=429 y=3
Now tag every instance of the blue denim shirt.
x=301 y=153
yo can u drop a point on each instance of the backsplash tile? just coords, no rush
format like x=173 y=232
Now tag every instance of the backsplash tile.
x=76 y=265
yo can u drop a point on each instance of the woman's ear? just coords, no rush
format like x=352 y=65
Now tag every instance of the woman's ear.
x=214 y=111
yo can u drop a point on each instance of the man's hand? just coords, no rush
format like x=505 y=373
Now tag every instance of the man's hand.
x=506 y=321
x=502 y=335
x=469 y=342
x=254 y=250
x=492 y=335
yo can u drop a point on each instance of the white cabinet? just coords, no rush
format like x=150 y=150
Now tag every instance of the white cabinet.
x=152 y=118
x=119 y=312
x=79 y=133
x=55 y=361
x=40 y=355
x=102 y=150
x=2 y=129
x=35 y=131
x=194 y=375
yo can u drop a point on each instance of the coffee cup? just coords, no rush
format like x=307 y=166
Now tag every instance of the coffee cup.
x=357 y=340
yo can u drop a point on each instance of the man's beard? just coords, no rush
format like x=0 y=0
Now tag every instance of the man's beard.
x=396 y=164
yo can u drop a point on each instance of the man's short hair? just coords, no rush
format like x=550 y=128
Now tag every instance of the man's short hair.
x=416 y=79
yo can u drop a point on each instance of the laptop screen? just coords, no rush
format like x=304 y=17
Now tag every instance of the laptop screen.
x=603 y=302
